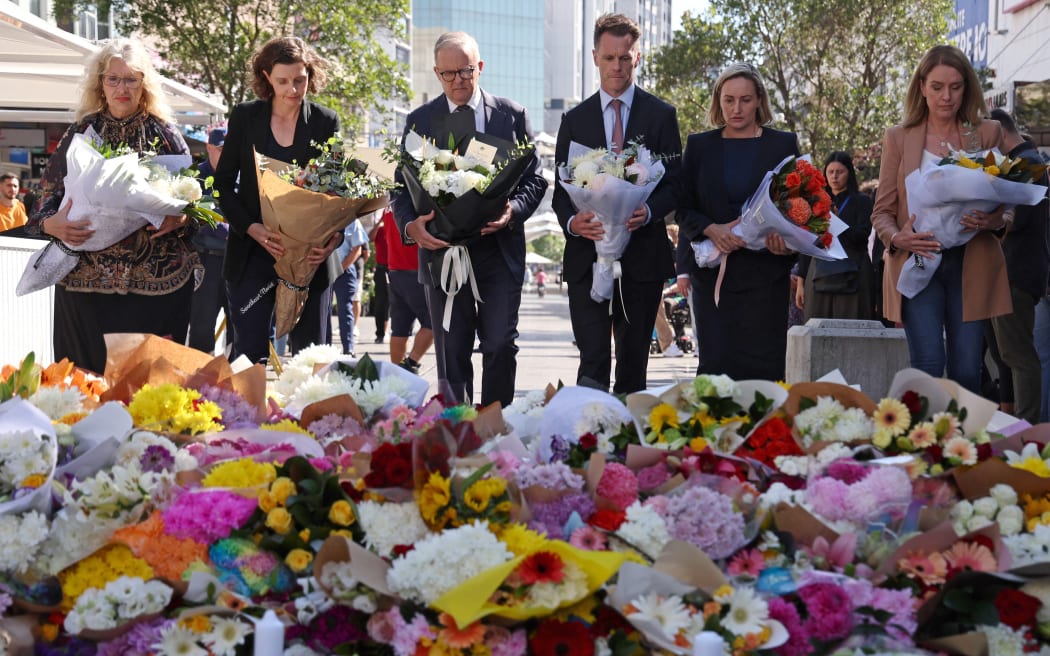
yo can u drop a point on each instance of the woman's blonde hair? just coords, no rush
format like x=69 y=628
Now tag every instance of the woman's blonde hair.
x=763 y=115
x=134 y=55
x=972 y=108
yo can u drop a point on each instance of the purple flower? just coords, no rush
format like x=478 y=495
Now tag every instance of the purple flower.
x=828 y=609
x=706 y=519
x=553 y=476
x=236 y=412
x=207 y=516
x=559 y=448
x=798 y=638
x=847 y=471
x=550 y=517
x=653 y=477
x=157 y=459
x=139 y=640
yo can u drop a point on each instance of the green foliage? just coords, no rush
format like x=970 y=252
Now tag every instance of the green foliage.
x=23 y=381
x=208 y=45
x=836 y=73
x=551 y=247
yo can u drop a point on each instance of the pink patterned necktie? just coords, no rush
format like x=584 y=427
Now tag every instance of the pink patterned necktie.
x=617 y=133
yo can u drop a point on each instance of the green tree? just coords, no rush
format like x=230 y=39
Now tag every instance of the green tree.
x=551 y=247
x=836 y=72
x=208 y=45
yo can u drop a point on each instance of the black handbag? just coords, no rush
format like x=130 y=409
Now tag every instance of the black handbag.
x=835 y=276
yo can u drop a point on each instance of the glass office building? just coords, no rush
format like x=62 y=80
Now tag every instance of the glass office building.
x=510 y=36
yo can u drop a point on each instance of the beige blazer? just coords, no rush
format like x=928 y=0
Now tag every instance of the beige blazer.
x=986 y=290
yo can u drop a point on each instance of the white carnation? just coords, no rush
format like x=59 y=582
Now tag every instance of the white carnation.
x=1011 y=520
x=644 y=529
x=387 y=525
x=1004 y=494
x=976 y=523
x=186 y=188
x=986 y=507
x=441 y=562
x=962 y=511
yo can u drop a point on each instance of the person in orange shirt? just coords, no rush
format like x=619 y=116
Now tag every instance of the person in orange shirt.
x=12 y=211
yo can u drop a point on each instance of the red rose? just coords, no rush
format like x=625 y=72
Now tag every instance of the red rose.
x=555 y=638
x=826 y=239
x=351 y=491
x=1016 y=609
x=984 y=452
x=913 y=401
x=608 y=519
x=397 y=471
x=793 y=179
x=588 y=441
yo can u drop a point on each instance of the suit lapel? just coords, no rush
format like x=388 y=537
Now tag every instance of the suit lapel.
x=261 y=131
x=591 y=131
x=713 y=174
x=636 y=123
x=497 y=122
x=301 y=142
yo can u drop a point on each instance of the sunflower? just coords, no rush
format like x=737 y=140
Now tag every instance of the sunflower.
x=663 y=415
x=892 y=416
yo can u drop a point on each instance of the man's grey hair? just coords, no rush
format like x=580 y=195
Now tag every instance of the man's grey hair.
x=459 y=40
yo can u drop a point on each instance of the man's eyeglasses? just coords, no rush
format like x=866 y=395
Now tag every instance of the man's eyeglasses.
x=116 y=80
x=463 y=73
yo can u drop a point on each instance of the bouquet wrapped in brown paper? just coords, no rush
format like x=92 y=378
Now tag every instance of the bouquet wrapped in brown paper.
x=307 y=206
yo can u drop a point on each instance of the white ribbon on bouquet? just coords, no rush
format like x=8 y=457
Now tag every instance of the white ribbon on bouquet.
x=456 y=271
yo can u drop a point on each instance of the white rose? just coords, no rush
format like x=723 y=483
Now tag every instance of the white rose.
x=584 y=173
x=364 y=603
x=444 y=157
x=962 y=511
x=986 y=507
x=161 y=186
x=1004 y=494
x=187 y=189
x=640 y=172
x=976 y=523
x=599 y=181
x=1011 y=520
x=464 y=162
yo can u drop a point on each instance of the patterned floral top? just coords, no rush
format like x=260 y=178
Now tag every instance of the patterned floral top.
x=136 y=264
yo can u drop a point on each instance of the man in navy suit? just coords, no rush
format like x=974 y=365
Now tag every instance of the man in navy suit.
x=497 y=257
x=619 y=113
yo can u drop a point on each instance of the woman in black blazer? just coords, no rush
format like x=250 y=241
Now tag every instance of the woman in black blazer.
x=281 y=125
x=745 y=335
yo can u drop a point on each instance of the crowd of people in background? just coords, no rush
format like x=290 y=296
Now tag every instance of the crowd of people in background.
x=991 y=292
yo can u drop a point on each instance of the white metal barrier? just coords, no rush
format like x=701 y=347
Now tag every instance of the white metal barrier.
x=26 y=322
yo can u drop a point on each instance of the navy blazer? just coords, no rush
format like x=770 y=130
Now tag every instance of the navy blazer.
x=655 y=123
x=703 y=201
x=507 y=120
x=235 y=181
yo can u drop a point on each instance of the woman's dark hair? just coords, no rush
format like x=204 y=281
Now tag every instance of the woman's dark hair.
x=843 y=158
x=286 y=50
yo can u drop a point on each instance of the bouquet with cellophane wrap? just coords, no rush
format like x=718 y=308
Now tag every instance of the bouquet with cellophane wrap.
x=307 y=206
x=791 y=202
x=940 y=194
x=612 y=185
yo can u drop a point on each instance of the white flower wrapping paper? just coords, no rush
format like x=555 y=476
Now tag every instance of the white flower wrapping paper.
x=18 y=416
x=612 y=203
x=760 y=217
x=939 y=196
x=114 y=194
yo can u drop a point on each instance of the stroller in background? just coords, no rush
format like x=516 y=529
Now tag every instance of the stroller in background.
x=676 y=308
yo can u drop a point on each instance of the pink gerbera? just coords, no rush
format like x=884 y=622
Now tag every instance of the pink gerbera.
x=971 y=556
x=962 y=450
x=929 y=568
x=749 y=562
x=587 y=537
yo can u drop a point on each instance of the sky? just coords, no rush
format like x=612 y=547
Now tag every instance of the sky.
x=678 y=7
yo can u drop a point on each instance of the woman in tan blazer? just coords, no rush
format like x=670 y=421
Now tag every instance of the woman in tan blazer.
x=944 y=322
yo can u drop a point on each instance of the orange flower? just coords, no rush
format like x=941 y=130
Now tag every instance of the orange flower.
x=798 y=211
x=793 y=179
x=823 y=205
x=167 y=555
x=458 y=638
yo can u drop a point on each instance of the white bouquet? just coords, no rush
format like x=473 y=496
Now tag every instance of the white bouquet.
x=792 y=203
x=612 y=186
x=28 y=454
x=940 y=194
x=118 y=195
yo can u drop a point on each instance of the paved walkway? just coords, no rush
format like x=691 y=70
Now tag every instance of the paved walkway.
x=546 y=352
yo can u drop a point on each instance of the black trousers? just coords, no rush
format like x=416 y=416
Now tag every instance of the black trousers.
x=380 y=300
x=208 y=299
x=592 y=325
x=83 y=318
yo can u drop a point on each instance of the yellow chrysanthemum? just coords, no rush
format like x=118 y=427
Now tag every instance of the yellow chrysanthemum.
x=172 y=408
x=105 y=565
x=891 y=416
x=433 y=497
x=286 y=426
x=992 y=170
x=521 y=540
x=968 y=163
x=698 y=444
x=240 y=474
x=663 y=415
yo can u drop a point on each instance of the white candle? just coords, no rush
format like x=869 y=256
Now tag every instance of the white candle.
x=708 y=643
x=269 y=636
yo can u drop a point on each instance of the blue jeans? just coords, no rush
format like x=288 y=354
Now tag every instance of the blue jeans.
x=345 y=287
x=936 y=314
x=1042 y=347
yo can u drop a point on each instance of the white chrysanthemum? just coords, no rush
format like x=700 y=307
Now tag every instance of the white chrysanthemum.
x=591 y=156
x=792 y=465
x=56 y=402
x=986 y=506
x=776 y=494
x=644 y=529
x=1004 y=641
x=441 y=562
x=161 y=185
x=130 y=452
x=853 y=426
x=572 y=588
x=387 y=525
x=20 y=539
x=1004 y=494
x=1010 y=520
x=186 y=188
x=747 y=613
x=225 y=635
x=301 y=366
x=1029 y=548
x=613 y=167
x=584 y=173
x=177 y=640
x=669 y=613
x=319 y=388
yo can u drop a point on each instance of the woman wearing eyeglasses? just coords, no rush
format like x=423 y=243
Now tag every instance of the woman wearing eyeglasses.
x=282 y=125
x=143 y=283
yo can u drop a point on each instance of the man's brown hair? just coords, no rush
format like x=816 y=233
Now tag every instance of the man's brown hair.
x=617 y=25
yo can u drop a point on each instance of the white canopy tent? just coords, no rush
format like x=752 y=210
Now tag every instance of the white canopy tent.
x=543 y=223
x=41 y=66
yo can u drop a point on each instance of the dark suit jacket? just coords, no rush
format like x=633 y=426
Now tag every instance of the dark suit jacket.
x=703 y=200
x=505 y=119
x=249 y=128
x=1025 y=245
x=655 y=123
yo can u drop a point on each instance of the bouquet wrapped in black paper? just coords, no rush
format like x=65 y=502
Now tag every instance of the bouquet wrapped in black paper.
x=466 y=185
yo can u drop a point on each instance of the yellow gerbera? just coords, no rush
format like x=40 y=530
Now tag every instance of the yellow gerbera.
x=892 y=416
x=434 y=496
x=663 y=415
